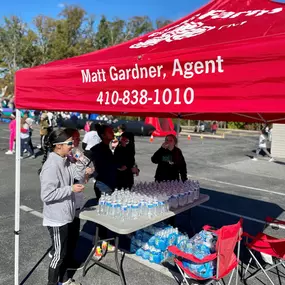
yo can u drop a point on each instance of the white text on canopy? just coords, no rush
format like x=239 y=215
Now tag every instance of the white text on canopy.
x=186 y=70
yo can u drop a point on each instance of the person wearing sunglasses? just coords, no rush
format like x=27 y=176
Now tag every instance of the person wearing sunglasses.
x=125 y=160
x=58 y=189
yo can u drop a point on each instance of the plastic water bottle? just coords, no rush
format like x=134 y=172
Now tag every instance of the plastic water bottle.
x=124 y=209
x=118 y=210
x=101 y=205
x=129 y=211
x=150 y=210
x=135 y=209
x=196 y=190
x=156 y=211
x=78 y=154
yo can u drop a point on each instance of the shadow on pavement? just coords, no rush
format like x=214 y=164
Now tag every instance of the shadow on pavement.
x=35 y=267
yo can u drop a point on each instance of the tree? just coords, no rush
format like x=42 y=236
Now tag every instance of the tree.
x=88 y=37
x=138 y=26
x=161 y=22
x=117 y=31
x=16 y=44
x=11 y=43
x=72 y=33
x=103 y=35
x=45 y=31
x=68 y=31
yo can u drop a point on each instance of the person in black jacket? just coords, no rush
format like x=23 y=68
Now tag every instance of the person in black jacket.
x=125 y=161
x=104 y=162
x=170 y=160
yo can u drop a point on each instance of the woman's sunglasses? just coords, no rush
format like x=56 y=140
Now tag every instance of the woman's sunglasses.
x=69 y=143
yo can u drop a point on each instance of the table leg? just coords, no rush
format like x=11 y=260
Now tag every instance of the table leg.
x=96 y=239
x=119 y=264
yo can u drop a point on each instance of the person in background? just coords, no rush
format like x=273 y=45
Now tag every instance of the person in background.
x=12 y=128
x=30 y=123
x=44 y=130
x=104 y=162
x=125 y=160
x=170 y=161
x=87 y=126
x=37 y=114
x=202 y=127
x=58 y=189
x=25 y=139
x=119 y=131
x=266 y=129
x=214 y=128
x=59 y=120
x=262 y=145
x=91 y=138
x=50 y=120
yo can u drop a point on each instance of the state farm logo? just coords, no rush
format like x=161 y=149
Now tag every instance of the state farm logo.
x=184 y=31
x=190 y=28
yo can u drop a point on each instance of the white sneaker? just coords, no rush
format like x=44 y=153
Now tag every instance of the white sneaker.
x=25 y=150
x=271 y=159
x=254 y=159
x=9 y=152
x=50 y=255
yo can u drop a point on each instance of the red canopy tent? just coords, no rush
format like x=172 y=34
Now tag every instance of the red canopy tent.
x=222 y=62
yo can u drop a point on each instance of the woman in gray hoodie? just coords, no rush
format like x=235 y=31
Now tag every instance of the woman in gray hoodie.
x=58 y=188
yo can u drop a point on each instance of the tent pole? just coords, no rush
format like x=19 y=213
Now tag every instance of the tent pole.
x=17 y=196
x=178 y=127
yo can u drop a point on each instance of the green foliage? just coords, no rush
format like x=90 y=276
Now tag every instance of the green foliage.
x=236 y=125
x=72 y=33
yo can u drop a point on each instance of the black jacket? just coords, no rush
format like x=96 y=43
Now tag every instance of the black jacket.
x=104 y=162
x=171 y=165
x=125 y=156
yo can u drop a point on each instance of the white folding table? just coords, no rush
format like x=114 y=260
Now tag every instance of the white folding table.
x=124 y=228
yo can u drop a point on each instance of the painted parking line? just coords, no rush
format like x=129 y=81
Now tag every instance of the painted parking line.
x=232 y=214
x=31 y=211
x=238 y=185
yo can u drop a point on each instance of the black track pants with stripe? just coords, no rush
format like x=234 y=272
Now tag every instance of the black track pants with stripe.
x=64 y=240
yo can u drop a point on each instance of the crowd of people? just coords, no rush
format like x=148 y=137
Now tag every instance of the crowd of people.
x=112 y=165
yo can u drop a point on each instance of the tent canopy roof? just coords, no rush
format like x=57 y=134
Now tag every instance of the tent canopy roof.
x=225 y=61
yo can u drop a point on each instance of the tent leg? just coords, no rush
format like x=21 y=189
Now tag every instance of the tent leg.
x=17 y=196
x=178 y=128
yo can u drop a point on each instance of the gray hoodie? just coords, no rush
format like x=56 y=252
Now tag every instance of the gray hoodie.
x=57 y=177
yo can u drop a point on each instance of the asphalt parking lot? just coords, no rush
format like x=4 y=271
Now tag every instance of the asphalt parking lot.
x=237 y=186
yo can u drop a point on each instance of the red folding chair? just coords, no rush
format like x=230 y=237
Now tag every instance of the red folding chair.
x=267 y=245
x=227 y=262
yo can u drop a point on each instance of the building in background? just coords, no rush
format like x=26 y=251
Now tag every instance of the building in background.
x=278 y=141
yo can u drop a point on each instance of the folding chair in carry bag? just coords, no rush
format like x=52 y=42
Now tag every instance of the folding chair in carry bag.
x=226 y=261
x=271 y=248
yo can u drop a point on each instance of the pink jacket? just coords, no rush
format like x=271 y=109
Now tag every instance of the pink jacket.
x=87 y=127
x=12 y=127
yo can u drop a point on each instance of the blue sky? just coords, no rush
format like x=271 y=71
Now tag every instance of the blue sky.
x=170 y=9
